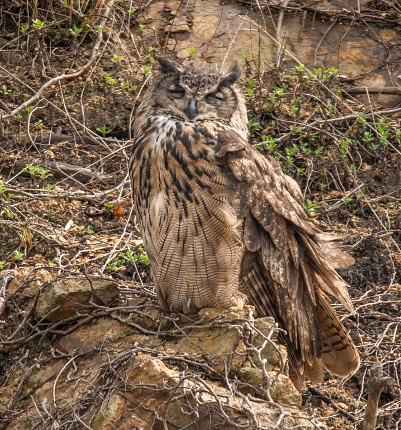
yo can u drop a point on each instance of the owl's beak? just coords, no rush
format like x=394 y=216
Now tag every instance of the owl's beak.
x=191 y=111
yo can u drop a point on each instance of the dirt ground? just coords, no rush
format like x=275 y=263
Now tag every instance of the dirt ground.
x=345 y=154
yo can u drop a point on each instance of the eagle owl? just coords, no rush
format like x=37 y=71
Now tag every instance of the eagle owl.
x=223 y=225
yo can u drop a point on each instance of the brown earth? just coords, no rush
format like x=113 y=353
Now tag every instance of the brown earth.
x=343 y=149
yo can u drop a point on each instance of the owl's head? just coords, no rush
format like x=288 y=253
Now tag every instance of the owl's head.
x=196 y=94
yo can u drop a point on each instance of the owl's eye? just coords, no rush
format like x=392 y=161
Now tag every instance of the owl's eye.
x=176 y=92
x=215 y=97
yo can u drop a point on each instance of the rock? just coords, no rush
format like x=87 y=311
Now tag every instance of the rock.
x=281 y=390
x=116 y=378
x=177 y=27
x=26 y=282
x=103 y=331
x=65 y=298
x=110 y=413
x=221 y=344
x=274 y=354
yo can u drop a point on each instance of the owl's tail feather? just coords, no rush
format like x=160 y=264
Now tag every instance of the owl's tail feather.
x=340 y=355
x=313 y=372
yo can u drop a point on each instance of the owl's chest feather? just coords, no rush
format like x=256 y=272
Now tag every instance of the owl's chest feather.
x=174 y=166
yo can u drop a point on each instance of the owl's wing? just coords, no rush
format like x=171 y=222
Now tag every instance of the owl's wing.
x=289 y=263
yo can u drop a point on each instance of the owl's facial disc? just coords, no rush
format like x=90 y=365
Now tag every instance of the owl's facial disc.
x=195 y=94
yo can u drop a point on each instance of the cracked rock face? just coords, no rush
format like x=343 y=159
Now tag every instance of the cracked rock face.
x=220 y=32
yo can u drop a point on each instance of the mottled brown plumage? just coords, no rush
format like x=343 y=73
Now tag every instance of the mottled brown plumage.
x=223 y=225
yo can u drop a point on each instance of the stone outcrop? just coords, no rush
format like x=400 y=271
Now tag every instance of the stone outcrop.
x=133 y=367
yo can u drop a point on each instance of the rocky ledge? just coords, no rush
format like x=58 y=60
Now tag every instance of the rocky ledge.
x=89 y=353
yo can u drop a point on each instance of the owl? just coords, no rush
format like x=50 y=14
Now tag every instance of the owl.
x=224 y=226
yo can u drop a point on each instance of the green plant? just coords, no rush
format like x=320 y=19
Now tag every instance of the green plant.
x=112 y=265
x=142 y=27
x=330 y=73
x=253 y=126
x=132 y=258
x=5 y=90
x=294 y=110
x=37 y=171
x=4 y=192
x=103 y=130
x=250 y=92
x=38 y=24
x=39 y=124
x=281 y=90
x=298 y=69
x=331 y=110
x=318 y=72
x=110 y=80
x=382 y=129
x=142 y=257
x=145 y=69
x=268 y=142
x=362 y=119
x=305 y=147
x=109 y=207
x=368 y=137
x=192 y=51
x=292 y=150
x=2 y=265
x=30 y=109
x=18 y=255
x=116 y=58
x=398 y=136
x=344 y=146
x=310 y=206
x=8 y=214
x=319 y=150
x=76 y=31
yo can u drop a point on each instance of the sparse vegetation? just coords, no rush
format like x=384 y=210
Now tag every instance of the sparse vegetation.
x=37 y=171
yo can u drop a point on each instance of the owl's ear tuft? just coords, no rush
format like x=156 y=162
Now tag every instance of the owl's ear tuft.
x=168 y=66
x=234 y=72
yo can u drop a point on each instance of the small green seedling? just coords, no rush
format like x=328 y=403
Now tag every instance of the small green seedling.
x=310 y=206
x=76 y=31
x=145 y=69
x=37 y=171
x=192 y=51
x=38 y=24
x=18 y=255
x=5 y=90
x=110 y=80
x=103 y=130
x=116 y=58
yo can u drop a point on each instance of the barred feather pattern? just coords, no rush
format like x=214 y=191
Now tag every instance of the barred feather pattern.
x=223 y=225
